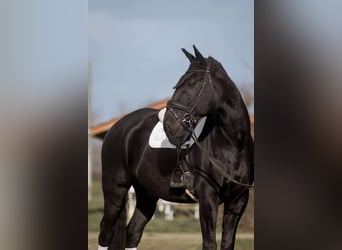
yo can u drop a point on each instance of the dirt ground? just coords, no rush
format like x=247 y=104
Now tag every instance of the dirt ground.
x=179 y=241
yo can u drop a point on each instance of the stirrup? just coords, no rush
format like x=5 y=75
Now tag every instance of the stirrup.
x=180 y=183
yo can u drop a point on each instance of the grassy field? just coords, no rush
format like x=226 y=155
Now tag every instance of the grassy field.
x=172 y=241
x=182 y=233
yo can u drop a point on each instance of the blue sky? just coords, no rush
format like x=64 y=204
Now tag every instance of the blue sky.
x=135 y=48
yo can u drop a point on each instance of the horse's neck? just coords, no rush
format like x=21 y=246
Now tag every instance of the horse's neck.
x=234 y=116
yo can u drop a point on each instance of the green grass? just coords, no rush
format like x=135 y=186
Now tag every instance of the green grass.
x=95 y=207
x=185 y=225
x=185 y=241
x=182 y=233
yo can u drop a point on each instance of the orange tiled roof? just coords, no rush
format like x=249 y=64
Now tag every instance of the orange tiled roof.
x=104 y=127
x=101 y=129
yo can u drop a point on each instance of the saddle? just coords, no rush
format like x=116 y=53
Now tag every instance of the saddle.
x=158 y=138
x=181 y=175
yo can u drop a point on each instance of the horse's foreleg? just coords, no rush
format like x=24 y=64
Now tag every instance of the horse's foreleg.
x=208 y=217
x=144 y=211
x=231 y=218
x=229 y=226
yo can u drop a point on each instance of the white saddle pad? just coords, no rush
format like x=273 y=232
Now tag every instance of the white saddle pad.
x=158 y=138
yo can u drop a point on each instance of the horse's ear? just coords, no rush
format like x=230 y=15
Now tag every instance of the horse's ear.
x=198 y=55
x=188 y=55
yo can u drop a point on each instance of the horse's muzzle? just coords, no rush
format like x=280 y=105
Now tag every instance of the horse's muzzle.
x=175 y=131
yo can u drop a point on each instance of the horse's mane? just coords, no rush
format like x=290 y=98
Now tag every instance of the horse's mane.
x=220 y=73
x=233 y=94
x=217 y=68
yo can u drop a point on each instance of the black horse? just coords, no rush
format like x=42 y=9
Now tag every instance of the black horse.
x=221 y=160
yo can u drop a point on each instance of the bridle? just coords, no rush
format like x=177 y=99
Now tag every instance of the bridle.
x=188 y=119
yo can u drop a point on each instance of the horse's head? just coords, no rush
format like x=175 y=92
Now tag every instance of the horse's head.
x=193 y=98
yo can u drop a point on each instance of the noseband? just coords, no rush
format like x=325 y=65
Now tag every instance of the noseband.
x=188 y=119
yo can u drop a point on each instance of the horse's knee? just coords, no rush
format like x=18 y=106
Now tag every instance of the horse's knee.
x=233 y=212
x=238 y=207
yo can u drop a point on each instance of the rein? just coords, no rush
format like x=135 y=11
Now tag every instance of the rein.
x=218 y=168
